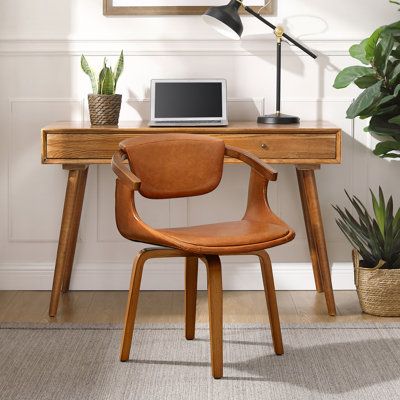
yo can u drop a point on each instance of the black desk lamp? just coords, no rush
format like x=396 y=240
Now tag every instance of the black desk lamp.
x=226 y=20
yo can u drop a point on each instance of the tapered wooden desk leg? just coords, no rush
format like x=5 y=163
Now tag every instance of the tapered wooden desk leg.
x=317 y=231
x=310 y=238
x=76 y=218
x=191 y=269
x=68 y=233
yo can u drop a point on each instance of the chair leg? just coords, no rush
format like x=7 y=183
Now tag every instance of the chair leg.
x=191 y=269
x=270 y=296
x=214 y=286
x=131 y=307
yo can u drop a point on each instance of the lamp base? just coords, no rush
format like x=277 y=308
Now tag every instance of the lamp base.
x=278 y=118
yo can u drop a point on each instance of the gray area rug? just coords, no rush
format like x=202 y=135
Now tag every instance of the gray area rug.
x=321 y=361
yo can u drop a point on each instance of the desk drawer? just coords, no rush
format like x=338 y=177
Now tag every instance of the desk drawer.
x=287 y=148
x=276 y=147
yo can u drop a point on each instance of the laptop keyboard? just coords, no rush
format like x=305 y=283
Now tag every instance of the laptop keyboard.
x=188 y=122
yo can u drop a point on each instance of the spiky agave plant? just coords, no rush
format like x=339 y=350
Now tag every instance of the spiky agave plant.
x=376 y=238
x=108 y=78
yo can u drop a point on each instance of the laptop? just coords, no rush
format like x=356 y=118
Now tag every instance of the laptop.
x=182 y=102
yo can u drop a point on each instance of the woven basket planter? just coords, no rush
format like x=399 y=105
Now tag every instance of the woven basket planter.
x=378 y=289
x=104 y=108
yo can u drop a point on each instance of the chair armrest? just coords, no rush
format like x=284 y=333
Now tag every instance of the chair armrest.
x=124 y=174
x=253 y=161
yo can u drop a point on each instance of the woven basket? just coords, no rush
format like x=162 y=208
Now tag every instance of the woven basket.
x=104 y=108
x=378 y=289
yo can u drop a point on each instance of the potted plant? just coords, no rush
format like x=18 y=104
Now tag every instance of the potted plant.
x=376 y=254
x=104 y=104
x=379 y=77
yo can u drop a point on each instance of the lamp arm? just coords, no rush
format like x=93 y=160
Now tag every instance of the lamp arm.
x=273 y=27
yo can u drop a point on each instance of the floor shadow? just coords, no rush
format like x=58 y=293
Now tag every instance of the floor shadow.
x=241 y=342
x=334 y=368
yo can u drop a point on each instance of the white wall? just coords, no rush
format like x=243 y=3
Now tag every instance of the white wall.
x=41 y=82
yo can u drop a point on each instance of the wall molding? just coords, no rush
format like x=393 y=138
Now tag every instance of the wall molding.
x=168 y=276
x=75 y=47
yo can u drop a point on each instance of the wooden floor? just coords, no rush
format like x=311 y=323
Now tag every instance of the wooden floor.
x=167 y=307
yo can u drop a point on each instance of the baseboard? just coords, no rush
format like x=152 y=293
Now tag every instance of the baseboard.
x=168 y=276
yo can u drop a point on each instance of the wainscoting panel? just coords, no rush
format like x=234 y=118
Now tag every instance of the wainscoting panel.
x=237 y=109
x=226 y=203
x=333 y=111
x=36 y=193
x=154 y=212
x=179 y=212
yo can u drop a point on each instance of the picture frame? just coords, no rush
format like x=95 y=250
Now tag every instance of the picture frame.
x=158 y=7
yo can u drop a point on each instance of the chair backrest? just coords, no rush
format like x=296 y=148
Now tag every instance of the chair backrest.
x=175 y=165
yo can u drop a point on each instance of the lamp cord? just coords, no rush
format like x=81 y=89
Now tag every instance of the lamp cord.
x=264 y=6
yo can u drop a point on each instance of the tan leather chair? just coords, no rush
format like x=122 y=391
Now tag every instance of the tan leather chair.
x=180 y=165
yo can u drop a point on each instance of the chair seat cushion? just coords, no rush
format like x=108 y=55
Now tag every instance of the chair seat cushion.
x=228 y=234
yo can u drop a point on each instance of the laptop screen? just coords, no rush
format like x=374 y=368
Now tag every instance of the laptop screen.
x=188 y=100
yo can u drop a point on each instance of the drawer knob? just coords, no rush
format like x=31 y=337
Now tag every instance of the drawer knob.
x=264 y=146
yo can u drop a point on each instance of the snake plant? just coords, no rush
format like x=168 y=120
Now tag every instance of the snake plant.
x=377 y=237
x=108 y=78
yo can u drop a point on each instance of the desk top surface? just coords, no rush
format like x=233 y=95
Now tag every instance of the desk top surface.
x=233 y=127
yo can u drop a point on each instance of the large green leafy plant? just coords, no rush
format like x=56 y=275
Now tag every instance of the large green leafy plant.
x=395 y=2
x=376 y=238
x=106 y=83
x=379 y=77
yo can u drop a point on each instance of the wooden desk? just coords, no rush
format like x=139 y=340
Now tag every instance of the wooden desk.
x=77 y=145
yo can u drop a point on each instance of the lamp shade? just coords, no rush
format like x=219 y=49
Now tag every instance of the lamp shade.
x=225 y=19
